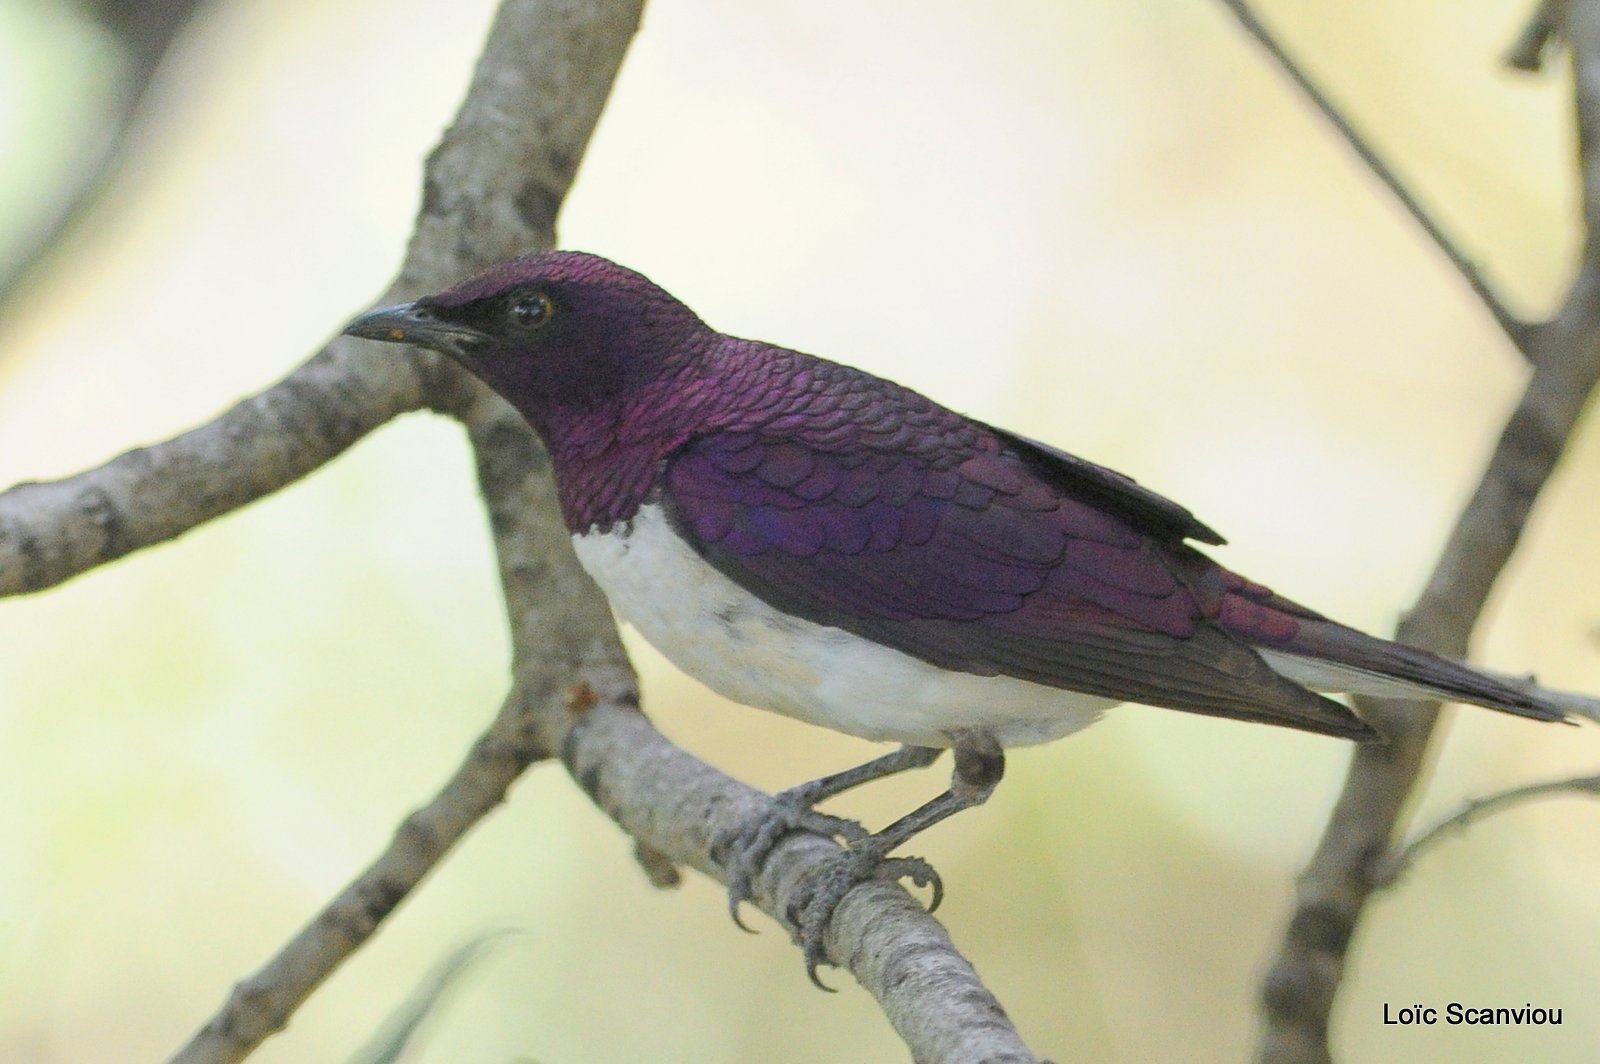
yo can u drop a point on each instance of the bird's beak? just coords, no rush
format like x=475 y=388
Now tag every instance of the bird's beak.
x=407 y=323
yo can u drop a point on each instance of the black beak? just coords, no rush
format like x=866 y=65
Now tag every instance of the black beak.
x=408 y=323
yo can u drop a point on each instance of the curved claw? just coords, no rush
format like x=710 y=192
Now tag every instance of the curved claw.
x=812 y=908
x=746 y=847
x=733 y=910
x=812 y=961
x=749 y=843
x=918 y=871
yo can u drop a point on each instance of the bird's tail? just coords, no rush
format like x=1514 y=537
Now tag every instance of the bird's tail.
x=1326 y=656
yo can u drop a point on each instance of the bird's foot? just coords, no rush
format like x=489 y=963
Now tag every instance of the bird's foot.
x=812 y=908
x=743 y=849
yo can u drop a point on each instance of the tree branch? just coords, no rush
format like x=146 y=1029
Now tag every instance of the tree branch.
x=492 y=190
x=53 y=531
x=1515 y=329
x=1528 y=51
x=536 y=95
x=1400 y=861
x=261 y=1005
x=884 y=937
x=675 y=804
x=1298 y=993
x=667 y=799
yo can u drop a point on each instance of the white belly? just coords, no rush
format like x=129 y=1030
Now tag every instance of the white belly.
x=743 y=649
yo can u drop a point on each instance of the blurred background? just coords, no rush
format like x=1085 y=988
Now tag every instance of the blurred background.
x=1109 y=225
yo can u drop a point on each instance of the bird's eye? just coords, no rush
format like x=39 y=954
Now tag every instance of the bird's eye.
x=531 y=311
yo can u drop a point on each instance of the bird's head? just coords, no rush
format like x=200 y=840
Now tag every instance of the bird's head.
x=555 y=332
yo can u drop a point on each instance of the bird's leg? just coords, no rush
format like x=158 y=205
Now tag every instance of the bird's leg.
x=744 y=849
x=979 y=764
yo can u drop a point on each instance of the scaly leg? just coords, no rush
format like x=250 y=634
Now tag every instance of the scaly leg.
x=979 y=764
x=745 y=849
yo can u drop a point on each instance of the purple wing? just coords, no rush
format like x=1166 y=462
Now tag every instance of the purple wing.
x=1112 y=491
x=990 y=559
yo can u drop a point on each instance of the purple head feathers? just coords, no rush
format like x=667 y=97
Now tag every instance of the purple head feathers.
x=567 y=331
x=616 y=374
x=607 y=366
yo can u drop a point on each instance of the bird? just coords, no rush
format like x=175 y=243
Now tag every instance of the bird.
x=805 y=537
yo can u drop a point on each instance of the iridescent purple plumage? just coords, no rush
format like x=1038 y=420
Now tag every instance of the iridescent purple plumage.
x=818 y=541
x=851 y=502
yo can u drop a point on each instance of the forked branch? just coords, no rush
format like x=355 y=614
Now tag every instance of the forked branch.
x=1401 y=860
x=492 y=191
x=1299 y=991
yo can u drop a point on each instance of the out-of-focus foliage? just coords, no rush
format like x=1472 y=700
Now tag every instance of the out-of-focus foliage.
x=1108 y=225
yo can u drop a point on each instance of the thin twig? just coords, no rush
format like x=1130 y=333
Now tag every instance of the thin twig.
x=1298 y=994
x=1519 y=332
x=1299 y=990
x=1398 y=862
x=400 y=1030
x=1533 y=43
x=261 y=1005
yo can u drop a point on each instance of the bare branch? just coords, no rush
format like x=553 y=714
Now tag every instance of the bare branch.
x=493 y=187
x=547 y=67
x=1529 y=49
x=1299 y=990
x=1397 y=863
x=674 y=804
x=883 y=936
x=1518 y=331
x=261 y=1005
x=52 y=531
x=491 y=190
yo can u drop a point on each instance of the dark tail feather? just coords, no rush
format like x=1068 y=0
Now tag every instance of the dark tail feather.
x=1330 y=657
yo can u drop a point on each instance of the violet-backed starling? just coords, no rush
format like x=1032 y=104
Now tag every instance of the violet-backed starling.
x=807 y=538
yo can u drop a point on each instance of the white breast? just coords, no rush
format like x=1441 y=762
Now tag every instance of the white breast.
x=740 y=647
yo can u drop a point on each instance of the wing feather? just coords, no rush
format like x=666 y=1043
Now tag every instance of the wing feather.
x=987 y=564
